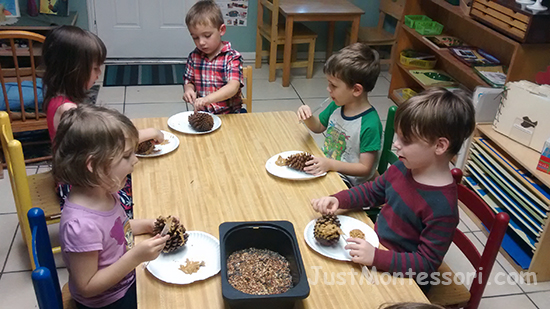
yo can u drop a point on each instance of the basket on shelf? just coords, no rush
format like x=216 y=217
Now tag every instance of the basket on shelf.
x=411 y=20
x=428 y=27
x=413 y=58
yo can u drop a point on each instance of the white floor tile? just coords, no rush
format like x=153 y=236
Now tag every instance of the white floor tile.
x=310 y=88
x=260 y=106
x=542 y=299
x=386 y=75
x=264 y=90
x=110 y=95
x=8 y=226
x=154 y=110
x=116 y=106
x=381 y=104
x=462 y=227
x=319 y=139
x=468 y=221
x=296 y=73
x=154 y=94
x=17 y=290
x=43 y=168
x=8 y=204
x=512 y=301
x=381 y=88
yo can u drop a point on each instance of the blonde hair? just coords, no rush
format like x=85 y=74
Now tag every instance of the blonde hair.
x=94 y=136
x=205 y=12
x=355 y=64
x=435 y=113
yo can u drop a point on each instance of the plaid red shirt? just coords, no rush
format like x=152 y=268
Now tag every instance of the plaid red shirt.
x=209 y=76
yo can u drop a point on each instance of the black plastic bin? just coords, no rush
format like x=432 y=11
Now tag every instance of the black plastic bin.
x=278 y=236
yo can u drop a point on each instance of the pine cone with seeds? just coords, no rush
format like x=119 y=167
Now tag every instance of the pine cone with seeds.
x=201 y=121
x=326 y=230
x=145 y=148
x=178 y=236
x=298 y=161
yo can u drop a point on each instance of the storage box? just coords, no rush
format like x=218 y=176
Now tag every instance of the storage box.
x=278 y=236
x=428 y=27
x=410 y=20
x=544 y=161
x=523 y=113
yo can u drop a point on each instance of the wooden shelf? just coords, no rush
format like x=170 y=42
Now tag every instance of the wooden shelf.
x=525 y=156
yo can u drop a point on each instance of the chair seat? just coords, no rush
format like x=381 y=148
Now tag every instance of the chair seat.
x=374 y=35
x=449 y=295
x=68 y=302
x=42 y=189
x=299 y=32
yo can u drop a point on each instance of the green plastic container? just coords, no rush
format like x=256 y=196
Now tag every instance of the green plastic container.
x=428 y=27
x=411 y=20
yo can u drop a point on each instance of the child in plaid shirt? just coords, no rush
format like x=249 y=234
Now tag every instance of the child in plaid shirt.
x=213 y=76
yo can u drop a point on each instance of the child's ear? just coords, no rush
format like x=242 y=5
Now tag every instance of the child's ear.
x=89 y=164
x=441 y=146
x=357 y=90
x=223 y=28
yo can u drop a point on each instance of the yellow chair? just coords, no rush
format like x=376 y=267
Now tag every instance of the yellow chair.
x=274 y=33
x=247 y=78
x=28 y=191
x=378 y=36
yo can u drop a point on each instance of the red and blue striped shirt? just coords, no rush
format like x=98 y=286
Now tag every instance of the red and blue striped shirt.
x=209 y=76
x=416 y=224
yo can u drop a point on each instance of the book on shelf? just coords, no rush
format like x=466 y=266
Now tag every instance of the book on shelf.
x=444 y=41
x=494 y=75
x=403 y=94
x=433 y=77
x=473 y=56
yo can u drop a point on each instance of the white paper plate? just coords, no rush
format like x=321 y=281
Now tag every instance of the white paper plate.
x=171 y=143
x=180 y=122
x=285 y=171
x=337 y=250
x=200 y=246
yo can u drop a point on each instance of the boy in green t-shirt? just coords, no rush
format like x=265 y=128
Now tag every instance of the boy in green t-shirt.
x=353 y=128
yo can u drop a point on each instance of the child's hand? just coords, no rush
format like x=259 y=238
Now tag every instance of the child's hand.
x=189 y=96
x=150 y=249
x=325 y=205
x=304 y=112
x=201 y=103
x=361 y=251
x=159 y=136
x=318 y=165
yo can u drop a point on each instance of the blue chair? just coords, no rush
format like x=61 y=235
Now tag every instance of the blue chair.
x=44 y=276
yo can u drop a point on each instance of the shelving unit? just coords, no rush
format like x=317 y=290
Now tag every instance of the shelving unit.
x=525 y=160
x=523 y=60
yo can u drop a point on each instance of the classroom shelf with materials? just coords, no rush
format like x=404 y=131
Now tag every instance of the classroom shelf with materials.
x=523 y=60
x=504 y=173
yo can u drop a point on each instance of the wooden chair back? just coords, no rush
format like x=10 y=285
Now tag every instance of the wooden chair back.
x=28 y=191
x=387 y=157
x=482 y=262
x=22 y=120
x=247 y=78
x=44 y=277
x=393 y=8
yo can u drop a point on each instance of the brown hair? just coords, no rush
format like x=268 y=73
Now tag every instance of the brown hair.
x=204 y=12
x=69 y=54
x=408 y=305
x=355 y=64
x=435 y=113
x=92 y=135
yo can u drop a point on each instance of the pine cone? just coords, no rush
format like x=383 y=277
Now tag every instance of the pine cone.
x=201 y=121
x=178 y=236
x=145 y=148
x=357 y=233
x=298 y=161
x=326 y=230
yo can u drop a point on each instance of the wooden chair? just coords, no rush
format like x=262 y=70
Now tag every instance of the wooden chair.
x=44 y=276
x=274 y=33
x=378 y=36
x=28 y=191
x=456 y=295
x=247 y=78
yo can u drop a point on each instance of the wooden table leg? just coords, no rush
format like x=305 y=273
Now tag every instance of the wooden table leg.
x=330 y=38
x=354 y=29
x=287 y=51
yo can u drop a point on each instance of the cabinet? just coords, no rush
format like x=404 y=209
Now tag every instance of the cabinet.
x=523 y=60
x=519 y=163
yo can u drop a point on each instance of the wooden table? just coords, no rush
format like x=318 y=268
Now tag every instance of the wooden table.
x=317 y=10
x=221 y=177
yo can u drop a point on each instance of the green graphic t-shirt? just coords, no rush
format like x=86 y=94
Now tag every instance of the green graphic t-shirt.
x=348 y=137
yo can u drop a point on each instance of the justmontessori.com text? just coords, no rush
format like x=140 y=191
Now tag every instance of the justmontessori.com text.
x=318 y=276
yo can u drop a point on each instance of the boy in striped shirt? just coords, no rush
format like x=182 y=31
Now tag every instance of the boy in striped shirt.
x=420 y=211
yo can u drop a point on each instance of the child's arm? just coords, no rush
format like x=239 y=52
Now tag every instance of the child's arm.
x=151 y=133
x=142 y=226
x=364 y=167
x=189 y=94
x=60 y=111
x=229 y=90
x=91 y=281
x=313 y=123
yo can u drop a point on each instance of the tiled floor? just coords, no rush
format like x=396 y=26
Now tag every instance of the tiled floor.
x=16 y=289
